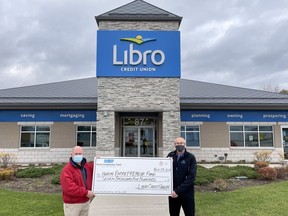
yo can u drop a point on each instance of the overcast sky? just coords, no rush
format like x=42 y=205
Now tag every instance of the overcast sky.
x=233 y=42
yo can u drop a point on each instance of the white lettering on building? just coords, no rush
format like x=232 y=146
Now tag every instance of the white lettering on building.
x=272 y=116
x=27 y=115
x=200 y=115
x=236 y=115
x=135 y=57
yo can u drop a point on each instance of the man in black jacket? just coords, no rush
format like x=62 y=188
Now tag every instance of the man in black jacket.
x=184 y=174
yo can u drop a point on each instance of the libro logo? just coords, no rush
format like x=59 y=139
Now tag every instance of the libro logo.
x=138 y=39
x=134 y=57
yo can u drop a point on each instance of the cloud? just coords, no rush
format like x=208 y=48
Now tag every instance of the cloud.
x=241 y=43
x=236 y=48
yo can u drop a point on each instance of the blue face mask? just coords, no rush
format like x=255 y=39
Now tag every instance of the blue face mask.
x=77 y=158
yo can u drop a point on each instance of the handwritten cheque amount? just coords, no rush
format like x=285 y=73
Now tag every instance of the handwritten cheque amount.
x=132 y=176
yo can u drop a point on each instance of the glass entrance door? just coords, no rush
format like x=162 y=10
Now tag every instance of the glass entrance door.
x=139 y=141
x=285 y=141
x=147 y=142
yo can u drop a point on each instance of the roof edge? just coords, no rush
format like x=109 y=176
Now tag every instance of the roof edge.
x=137 y=18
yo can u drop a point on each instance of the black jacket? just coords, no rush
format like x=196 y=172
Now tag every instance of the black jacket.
x=184 y=173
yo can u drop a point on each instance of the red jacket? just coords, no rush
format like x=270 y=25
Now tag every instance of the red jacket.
x=74 y=189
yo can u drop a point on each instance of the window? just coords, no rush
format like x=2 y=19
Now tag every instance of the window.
x=191 y=135
x=86 y=135
x=35 y=136
x=251 y=136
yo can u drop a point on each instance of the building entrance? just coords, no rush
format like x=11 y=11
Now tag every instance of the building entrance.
x=285 y=141
x=139 y=137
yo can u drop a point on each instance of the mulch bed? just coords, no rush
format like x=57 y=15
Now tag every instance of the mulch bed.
x=44 y=185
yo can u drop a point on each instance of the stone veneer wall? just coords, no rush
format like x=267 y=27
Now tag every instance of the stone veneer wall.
x=137 y=95
x=46 y=156
x=61 y=155
x=130 y=25
x=234 y=155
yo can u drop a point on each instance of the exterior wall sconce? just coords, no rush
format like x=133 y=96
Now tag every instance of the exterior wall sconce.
x=171 y=113
x=105 y=113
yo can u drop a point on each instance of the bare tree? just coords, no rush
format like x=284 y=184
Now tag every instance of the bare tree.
x=272 y=87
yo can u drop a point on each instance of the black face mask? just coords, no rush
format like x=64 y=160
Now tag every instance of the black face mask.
x=180 y=148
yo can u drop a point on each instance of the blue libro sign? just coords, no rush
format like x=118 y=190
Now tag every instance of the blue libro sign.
x=138 y=54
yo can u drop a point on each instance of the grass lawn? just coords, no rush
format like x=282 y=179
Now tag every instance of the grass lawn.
x=265 y=200
x=30 y=204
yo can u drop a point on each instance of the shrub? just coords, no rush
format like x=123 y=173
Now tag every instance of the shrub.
x=263 y=156
x=241 y=162
x=6 y=174
x=267 y=173
x=56 y=180
x=57 y=169
x=247 y=171
x=220 y=184
x=34 y=172
x=205 y=176
x=7 y=159
x=282 y=172
x=260 y=164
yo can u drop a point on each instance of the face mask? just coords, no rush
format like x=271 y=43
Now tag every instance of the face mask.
x=77 y=158
x=180 y=148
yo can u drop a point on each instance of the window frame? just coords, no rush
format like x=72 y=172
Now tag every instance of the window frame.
x=185 y=131
x=91 y=131
x=34 y=133
x=258 y=136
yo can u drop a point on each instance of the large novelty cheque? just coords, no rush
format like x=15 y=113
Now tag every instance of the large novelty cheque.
x=132 y=176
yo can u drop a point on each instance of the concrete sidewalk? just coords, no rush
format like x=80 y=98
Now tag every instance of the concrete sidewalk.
x=129 y=205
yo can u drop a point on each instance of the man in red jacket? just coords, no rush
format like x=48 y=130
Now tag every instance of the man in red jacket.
x=76 y=183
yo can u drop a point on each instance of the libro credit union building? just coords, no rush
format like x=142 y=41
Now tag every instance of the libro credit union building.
x=137 y=103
